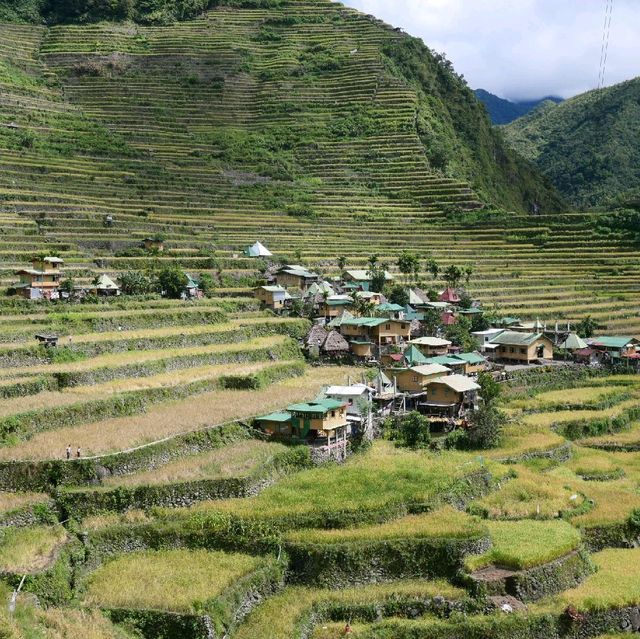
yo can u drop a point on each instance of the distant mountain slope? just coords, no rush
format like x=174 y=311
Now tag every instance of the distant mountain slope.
x=588 y=146
x=503 y=111
x=278 y=88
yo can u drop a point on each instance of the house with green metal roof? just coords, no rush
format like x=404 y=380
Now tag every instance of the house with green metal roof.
x=362 y=278
x=295 y=276
x=474 y=362
x=318 y=419
x=616 y=345
x=522 y=348
x=276 y=424
x=450 y=361
x=380 y=331
x=257 y=250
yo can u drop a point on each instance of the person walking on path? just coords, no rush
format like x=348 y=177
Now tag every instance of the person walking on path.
x=78 y=453
x=69 y=451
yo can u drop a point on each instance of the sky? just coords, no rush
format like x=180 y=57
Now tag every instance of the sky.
x=522 y=49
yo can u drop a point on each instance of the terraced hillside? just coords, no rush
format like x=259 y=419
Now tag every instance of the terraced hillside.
x=299 y=125
x=211 y=532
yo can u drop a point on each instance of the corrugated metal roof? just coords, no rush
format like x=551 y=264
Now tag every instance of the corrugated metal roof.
x=471 y=358
x=430 y=369
x=430 y=341
x=515 y=338
x=275 y=417
x=613 y=341
x=459 y=383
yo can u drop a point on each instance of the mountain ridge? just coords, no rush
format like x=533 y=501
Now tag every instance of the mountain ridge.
x=588 y=146
x=502 y=111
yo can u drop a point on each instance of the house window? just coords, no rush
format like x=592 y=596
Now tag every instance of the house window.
x=415 y=378
x=333 y=413
x=512 y=349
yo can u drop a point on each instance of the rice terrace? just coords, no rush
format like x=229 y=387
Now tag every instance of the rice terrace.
x=295 y=343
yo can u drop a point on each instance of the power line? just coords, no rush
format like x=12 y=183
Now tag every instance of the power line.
x=604 y=48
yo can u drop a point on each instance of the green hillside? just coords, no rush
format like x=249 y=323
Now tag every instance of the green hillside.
x=588 y=146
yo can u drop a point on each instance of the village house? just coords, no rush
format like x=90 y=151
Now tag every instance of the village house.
x=362 y=278
x=450 y=361
x=257 y=250
x=474 y=363
x=410 y=357
x=322 y=343
x=333 y=305
x=522 y=348
x=431 y=346
x=42 y=280
x=276 y=424
x=415 y=379
x=153 y=244
x=295 y=276
x=573 y=342
x=192 y=289
x=449 y=295
x=451 y=396
x=370 y=296
x=318 y=420
x=273 y=297
x=617 y=347
x=363 y=333
x=359 y=403
x=483 y=339
x=104 y=286
x=393 y=311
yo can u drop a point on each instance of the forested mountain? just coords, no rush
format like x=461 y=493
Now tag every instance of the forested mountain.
x=588 y=146
x=503 y=111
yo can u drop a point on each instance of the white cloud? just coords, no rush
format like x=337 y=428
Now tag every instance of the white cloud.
x=522 y=49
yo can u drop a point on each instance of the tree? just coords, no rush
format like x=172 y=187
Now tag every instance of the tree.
x=479 y=322
x=409 y=264
x=399 y=295
x=486 y=428
x=373 y=261
x=490 y=389
x=206 y=283
x=363 y=307
x=66 y=286
x=134 y=283
x=342 y=262
x=465 y=300
x=460 y=334
x=411 y=430
x=172 y=281
x=587 y=326
x=468 y=272
x=432 y=321
x=433 y=268
x=453 y=275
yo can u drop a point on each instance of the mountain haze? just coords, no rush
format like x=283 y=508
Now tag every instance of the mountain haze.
x=503 y=111
x=588 y=146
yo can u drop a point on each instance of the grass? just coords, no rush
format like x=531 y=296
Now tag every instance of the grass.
x=382 y=476
x=616 y=583
x=550 y=400
x=622 y=438
x=236 y=460
x=277 y=617
x=519 y=545
x=175 y=580
x=172 y=418
x=15 y=501
x=30 y=621
x=443 y=523
x=25 y=550
x=529 y=495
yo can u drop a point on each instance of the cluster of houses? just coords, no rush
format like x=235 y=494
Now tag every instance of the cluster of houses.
x=44 y=281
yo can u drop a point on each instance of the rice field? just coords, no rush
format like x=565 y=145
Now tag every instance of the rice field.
x=175 y=417
x=25 y=550
x=173 y=580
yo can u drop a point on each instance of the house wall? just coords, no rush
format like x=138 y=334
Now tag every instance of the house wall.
x=362 y=350
x=275 y=428
x=442 y=394
x=333 y=419
x=266 y=297
x=432 y=351
x=392 y=331
x=292 y=281
x=524 y=353
x=410 y=381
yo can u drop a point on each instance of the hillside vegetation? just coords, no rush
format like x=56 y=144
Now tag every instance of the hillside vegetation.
x=588 y=146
